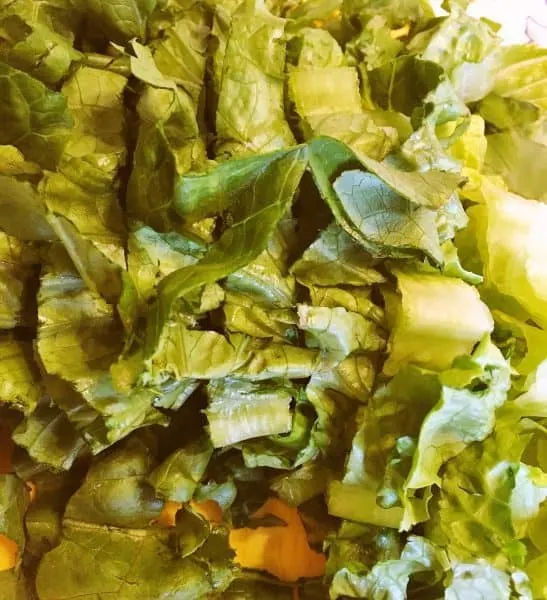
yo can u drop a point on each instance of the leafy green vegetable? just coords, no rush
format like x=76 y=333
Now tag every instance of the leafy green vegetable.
x=239 y=410
x=38 y=120
x=504 y=223
x=121 y=21
x=253 y=212
x=286 y=255
x=109 y=516
x=250 y=117
x=427 y=308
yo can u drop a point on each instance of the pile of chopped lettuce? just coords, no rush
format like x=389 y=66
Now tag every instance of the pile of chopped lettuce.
x=273 y=302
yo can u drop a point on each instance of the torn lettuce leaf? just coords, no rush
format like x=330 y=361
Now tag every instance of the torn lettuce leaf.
x=115 y=507
x=170 y=140
x=356 y=300
x=243 y=315
x=33 y=45
x=328 y=102
x=521 y=163
x=502 y=224
x=50 y=438
x=82 y=196
x=17 y=260
x=178 y=476
x=385 y=223
x=38 y=118
x=253 y=213
x=335 y=259
x=240 y=410
x=20 y=385
x=427 y=325
x=152 y=256
x=338 y=331
x=249 y=113
x=23 y=213
x=391 y=577
x=462 y=416
x=121 y=21
x=477 y=581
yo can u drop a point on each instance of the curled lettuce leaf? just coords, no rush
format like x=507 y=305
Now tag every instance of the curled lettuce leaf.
x=250 y=116
x=253 y=212
x=510 y=241
x=240 y=410
x=429 y=308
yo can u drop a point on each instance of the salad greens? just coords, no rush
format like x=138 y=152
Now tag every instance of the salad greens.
x=273 y=302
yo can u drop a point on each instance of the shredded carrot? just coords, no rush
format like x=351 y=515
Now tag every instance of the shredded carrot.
x=283 y=551
x=208 y=509
x=9 y=552
x=168 y=516
x=6 y=450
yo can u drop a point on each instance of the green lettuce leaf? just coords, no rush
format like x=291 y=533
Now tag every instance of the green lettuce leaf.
x=38 y=119
x=404 y=83
x=152 y=256
x=520 y=161
x=50 y=438
x=240 y=410
x=23 y=213
x=17 y=260
x=521 y=74
x=337 y=331
x=180 y=50
x=243 y=315
x=170 y=140
x=79 y=338
x=391 y=578
x=250 y=116
x=480 y=580
x=328 y=101
x=19 y=386
x=121 y=21
x=356 y=300
x=505 y=223
x=428 y=308
x=178 y=476
x=31 y=43
x=109 y=516
x=254 y=212
x=386 y=223
x=396 y=13
x=461 y=417
x=83 y=196
x=334 y=258
x=329 y=157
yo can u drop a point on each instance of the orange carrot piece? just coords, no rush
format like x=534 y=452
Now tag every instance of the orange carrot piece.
x=9 y=553
x=168 y=516
x=283 y=551
x=208 y=509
